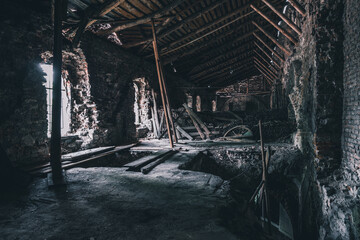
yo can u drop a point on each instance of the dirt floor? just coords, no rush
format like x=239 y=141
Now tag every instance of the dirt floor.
x=112 y=203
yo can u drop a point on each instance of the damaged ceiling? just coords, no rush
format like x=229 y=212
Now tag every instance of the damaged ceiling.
x=209 y=42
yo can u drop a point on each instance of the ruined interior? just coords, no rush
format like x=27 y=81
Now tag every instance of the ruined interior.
x=180 y=119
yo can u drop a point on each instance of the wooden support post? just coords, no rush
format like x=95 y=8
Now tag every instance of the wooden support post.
x=283 y=17
x=268 y=47
x=298 y=7
x=157 y=61
x=55 y=145
x=286 y=51
x=266 y=54
x=264 y=176
x=283 y=31
x=167 y=102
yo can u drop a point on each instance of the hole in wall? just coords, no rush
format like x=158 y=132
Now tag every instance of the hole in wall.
x=65 y=100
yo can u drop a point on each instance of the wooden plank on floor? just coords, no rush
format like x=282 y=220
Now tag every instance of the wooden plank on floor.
x=146 y=169
x=74 y=164
x=138 y=164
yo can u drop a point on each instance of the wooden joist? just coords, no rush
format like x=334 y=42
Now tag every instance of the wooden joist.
x=222 y=66
x=266 y=54
x=274 y=75
x=183 y=22
x=144 y=19
x=275 y=69
x=266 y=33
x=90 y=15
x=298 y=7
x=228 y=71
x=240 y=50
x=283 y=17
x=269 y=78
x=283 y=31
x=268 y=47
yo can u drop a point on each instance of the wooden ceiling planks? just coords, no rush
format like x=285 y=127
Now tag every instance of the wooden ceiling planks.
x=198 y=36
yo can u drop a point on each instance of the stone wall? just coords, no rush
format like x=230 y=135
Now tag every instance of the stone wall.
x=351 y=115
x=24 y=34
x=316 y=80
x=100 y=73
x=235 y=98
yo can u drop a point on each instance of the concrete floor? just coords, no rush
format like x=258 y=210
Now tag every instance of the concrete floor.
x=112 y=203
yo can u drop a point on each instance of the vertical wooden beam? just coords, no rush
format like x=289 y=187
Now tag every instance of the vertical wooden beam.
x=283 y=31
x=298 y=7
x=268 y=47
x=286 y=51
x=157 y=61
x=55 y=144
x=283 y=17
x=167 y=102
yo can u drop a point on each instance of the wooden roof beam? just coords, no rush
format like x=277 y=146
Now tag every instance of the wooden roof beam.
x=144 y=19
x=285 y=50
x=235 y=77
x=268 y=47
x=202 y=36
x=265 y=70
x=182 y=23
x=94 y=12
x=283 y=31
x=220 y=65
x=275 y=74
x=298 y=7
x=267 y=55
x=262 y=58
x=283 y=17
x=235 y=67
x=268 y=79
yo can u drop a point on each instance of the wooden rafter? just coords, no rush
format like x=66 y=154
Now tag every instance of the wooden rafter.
x=264 y=70
x=226 y=71
x=283 y=17
x=274 y=68
x=216 y=65
x=298 y=7
x=267 y=55
x=268 y=47
x=274 y=73
x=268 y=79
x=180 y=24
x=144 y=19
x=266 y=33
x=283 y=31
x=90 y=15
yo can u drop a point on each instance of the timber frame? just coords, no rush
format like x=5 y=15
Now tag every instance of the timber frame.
x=206 y=41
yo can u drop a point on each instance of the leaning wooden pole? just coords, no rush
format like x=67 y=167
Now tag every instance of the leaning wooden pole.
x=55 y=144
x=168 y=103
x=156 y=54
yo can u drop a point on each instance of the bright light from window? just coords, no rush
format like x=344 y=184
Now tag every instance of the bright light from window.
x=65 y=101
